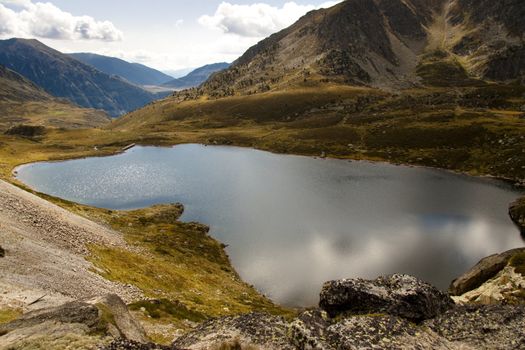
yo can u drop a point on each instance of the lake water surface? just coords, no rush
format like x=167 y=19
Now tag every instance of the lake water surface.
x=293 y=222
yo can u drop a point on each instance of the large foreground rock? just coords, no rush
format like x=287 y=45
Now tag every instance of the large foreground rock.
x=399 y=295
x=81 y=324
x=483 y=271
x=471 y=327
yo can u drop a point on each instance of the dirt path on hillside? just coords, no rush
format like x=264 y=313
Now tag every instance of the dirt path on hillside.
x=45 y=249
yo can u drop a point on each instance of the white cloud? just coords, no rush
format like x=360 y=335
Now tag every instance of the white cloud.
x=257 y=20
x=23 y=18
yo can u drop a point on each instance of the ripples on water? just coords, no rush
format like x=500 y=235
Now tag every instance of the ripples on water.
x=292 y=223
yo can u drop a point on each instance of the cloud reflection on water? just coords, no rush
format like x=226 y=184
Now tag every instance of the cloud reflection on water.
x=292 y=223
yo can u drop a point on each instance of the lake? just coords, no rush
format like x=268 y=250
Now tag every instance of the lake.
x=293 y=222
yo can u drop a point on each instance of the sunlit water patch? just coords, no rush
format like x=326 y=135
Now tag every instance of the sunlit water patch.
x=292 y=222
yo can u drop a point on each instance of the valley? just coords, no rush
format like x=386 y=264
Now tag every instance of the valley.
x=422 y=83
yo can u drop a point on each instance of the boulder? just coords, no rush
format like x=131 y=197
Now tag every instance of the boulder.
x=517 y=214
x=483 y=271
x=91 y=322
x=250 y=331
x=506 y=287
x=74 y=312
x=399 y=295
x=2 y=252
x=125 y=326
x=123 y=344
x=482 y=326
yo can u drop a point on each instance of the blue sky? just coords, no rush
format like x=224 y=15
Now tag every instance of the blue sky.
x=165 y=34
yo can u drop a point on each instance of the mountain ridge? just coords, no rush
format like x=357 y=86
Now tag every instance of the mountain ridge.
x=383 y=44
x=23 y=102
x=197 y=76
x=64 y=76
x=135 y=73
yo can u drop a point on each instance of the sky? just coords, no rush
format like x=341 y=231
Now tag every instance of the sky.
x=169 y=35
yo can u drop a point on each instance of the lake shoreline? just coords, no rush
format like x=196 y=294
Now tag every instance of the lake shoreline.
x=190 y=155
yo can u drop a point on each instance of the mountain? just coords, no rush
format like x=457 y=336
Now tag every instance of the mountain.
x=197 y=76
x=22 y=102
x=64 y=76
x=16 y=88
x=133 y=72
x=388 y=44
x=430 y=82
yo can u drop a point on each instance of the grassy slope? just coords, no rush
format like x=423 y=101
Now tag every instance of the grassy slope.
x=477 y=129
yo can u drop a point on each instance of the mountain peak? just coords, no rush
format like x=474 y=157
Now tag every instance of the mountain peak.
x=387 y=44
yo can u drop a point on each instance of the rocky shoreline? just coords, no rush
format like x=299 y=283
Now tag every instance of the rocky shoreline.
x=390 y=312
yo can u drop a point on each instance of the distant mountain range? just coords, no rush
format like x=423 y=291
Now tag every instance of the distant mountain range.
x=63 y=76
x=22 y=102
x=196 y=77
x=133 y=72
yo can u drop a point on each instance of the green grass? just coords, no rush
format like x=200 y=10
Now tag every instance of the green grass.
x=183 y=263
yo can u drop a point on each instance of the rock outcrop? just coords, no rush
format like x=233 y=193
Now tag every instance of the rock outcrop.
x=375 y=314
x=517 y=214
x=461 y=327
x=399 y=295
x=483 y=271
x=81 y=323
x=507 y=286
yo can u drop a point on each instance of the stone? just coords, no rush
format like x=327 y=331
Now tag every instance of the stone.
x=482 y=326
x=73 y=312
x=507 y=286
x=2 y=252
x=123 y=344
x=98 y=320
x=126 y=326
x=253 y=331
x=517 y=214
x=399 y=295
x=483 y=271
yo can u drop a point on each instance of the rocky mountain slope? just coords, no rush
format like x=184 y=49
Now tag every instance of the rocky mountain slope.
x=63 y=76
x=135 y=73
x=197 y=76
x=22 y=102
x=386 y=44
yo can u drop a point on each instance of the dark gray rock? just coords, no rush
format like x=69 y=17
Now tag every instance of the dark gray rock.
x=399 y=295
x=483 y=327
x=483 y=271
x=256 y=330
x=2 y=252
x=123 y=344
